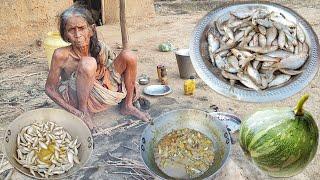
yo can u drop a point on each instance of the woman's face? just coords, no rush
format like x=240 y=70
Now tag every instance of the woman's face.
x=78 y=31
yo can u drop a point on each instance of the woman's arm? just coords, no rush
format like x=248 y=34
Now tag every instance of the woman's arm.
x=58 y=60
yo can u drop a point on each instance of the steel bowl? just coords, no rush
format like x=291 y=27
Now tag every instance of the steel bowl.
x=212 y=76
x=198 y=120
x=72 y=124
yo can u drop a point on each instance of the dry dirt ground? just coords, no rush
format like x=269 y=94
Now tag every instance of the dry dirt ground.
x=23 y=73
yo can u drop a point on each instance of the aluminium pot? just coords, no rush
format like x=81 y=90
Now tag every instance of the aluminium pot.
x=198 y=120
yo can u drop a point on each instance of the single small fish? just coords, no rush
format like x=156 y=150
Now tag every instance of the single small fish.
x=281 y=39
x=230 y=76
x=256 y=64
x=279 y=54
x=248 y=30
x=242 y=14
x=245 y=80
x=271 y=35
x=260 y=14
x=213 y=42
x=219 y=27
x=262 y=30
x=267 y=58
x=262 y=40
x=239 y=36
x=220 y=62
x=229 y=32
x=264 y=22
x=262 y=50
x=294 y=61
x=233 y=61
x=279 y=79
x=223 y=53
x=277 y=17
x=255 y=40
x=254 y=74
x=237 y=54
x=291 y=72
x=300 y=34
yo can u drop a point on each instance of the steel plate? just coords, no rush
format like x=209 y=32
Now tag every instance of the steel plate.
x=200 y=56
x=157 y=90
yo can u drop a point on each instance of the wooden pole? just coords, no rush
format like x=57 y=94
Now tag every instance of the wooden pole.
x=123 y=24
x=103 y=13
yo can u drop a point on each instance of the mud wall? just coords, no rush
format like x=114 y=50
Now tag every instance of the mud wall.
x=135 y=10
x=23 y=22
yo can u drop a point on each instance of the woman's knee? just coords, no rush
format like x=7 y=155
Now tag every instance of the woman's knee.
x=87 y=66
x=129 y=57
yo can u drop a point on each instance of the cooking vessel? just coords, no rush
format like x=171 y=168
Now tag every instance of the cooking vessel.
x=194 y=119
x=72 y=124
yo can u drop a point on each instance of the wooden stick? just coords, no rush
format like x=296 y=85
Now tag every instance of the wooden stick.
x=123 y=24
x=108 y=130
x=103 y=13
x=129 y=148
x=22 y=75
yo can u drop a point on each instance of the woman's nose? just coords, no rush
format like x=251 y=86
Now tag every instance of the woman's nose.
x=77 y=33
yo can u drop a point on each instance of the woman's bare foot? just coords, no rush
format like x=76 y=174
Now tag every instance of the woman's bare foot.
x=131 y=110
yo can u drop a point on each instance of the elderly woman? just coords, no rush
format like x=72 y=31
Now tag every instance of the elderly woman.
x=86 y=77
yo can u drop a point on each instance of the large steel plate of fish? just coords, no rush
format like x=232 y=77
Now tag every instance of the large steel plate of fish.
x=285 y=86
x=72 y=124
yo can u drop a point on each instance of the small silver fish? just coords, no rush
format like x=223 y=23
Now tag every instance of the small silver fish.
x=213 y=42
x=267 y=58
x=242 y=14
x=291 y=72
x=277 y=17
x=279 y=79
x=245 y=80
x=262 y=30
x=292 y=62
x=279 y=54
x=264 y=22
x=300 y=34
x=237 y=54
x=262 y=40
x=281 y=39
x=271 y=35
x=229 y=32
x=256 y=65
x=254 y=74
x=233 y=61
x=228 y=75
x=262 y=50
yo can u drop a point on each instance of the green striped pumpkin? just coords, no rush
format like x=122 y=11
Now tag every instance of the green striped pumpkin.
x=280 y=141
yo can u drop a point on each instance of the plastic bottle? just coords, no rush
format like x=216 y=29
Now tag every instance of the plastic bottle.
x=190 y=86
x=52 y=42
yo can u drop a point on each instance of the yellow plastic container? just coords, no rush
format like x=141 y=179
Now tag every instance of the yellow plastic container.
x=189 y=86
x=51 y=43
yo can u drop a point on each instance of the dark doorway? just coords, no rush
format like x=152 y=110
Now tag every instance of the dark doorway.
x=94 y=6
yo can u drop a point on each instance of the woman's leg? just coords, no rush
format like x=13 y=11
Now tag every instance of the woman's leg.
x=126 y=65
x=84 y=84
